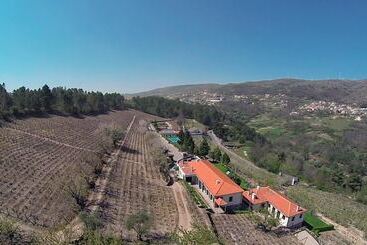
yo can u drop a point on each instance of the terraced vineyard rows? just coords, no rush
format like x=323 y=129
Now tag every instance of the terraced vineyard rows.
x=136 y=184
x=39 y=159
x=77 y=132
x=240 y=229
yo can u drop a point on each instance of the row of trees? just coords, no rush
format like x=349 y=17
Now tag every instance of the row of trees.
x=24 y=101
x=207 y=115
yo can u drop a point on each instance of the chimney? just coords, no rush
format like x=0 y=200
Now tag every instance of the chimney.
x=293 y=181
x=258 y=187
x=253 y=196
x=217 y=181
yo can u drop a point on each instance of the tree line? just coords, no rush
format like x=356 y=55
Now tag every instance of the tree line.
x=168 y=108
x=25 y=101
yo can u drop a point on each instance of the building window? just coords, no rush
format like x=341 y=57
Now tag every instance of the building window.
x=293 y=218
x=283 y=217
x=300 y=216
x=230 y=199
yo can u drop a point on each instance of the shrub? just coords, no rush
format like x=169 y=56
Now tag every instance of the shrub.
x=140 y=222
x=199 y=235
x=8 y=231
x=92 y=221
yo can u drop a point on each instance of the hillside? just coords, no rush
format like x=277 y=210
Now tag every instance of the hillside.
x=342 y=91
x=44 y=158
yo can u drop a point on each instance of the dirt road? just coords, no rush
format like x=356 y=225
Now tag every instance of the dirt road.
x=184 y=214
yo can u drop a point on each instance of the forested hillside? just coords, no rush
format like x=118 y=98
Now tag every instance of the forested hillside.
x=24 y=101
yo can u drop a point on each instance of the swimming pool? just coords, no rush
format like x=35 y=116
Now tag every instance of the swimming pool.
x=173 y=139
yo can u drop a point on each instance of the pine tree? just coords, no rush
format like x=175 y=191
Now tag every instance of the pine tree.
x=204 y=148
x=215 y=154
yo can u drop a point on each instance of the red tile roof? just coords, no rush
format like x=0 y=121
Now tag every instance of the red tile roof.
x=220 y=201
x=216 y=181
x=279 y=201
x=186 y=167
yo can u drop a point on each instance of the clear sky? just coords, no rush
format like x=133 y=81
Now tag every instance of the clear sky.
x=130 y=46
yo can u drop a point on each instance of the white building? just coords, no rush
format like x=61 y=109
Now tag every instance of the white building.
x=217 y=188
x=287 y=212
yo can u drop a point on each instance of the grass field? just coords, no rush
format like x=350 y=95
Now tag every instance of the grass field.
x=192 y=123
x=273 y=128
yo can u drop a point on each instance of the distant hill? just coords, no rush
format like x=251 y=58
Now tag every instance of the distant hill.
x=176 y=90
x=343 y=91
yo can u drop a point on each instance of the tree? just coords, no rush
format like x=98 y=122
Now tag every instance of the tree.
x=5 y=99
x=116 y=135
x=46 y=98
x=19 y=98
x=216 y=154
x=204 y=148
x=140 y=222
x=225 y=158
x=188 y=143
x=268 y=221
x=354 y=182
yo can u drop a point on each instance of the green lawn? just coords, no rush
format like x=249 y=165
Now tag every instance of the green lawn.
x=316 y=224
x=222 y=167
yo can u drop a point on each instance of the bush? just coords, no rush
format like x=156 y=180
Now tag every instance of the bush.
x=92 y=221
x=96 y=238
x=199 y=235
x=8 y=231
x=79 y=193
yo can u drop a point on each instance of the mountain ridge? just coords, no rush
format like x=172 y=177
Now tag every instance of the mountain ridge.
x=340 y=90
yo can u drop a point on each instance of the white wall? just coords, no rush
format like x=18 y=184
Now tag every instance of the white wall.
x=287 y=221
x=237 y=199
x=181 y=174
x=297 y=220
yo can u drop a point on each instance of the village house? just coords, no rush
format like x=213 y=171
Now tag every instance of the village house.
x=287 y=212
x=216 y=187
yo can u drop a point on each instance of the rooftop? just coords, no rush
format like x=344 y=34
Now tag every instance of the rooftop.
x=282 y=203
x=218 y=183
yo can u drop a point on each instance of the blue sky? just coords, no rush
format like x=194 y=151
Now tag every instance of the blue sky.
x=130 y=46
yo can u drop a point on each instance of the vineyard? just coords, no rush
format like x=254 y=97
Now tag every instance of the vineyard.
x=42 y=157
x=136 y=184
x=241 y=229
